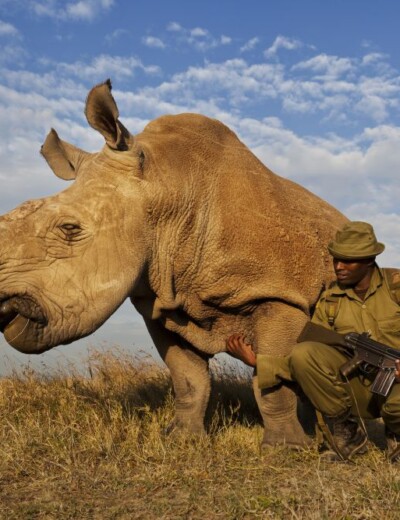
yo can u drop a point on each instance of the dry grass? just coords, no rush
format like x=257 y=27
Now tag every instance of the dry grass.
x=93 y=447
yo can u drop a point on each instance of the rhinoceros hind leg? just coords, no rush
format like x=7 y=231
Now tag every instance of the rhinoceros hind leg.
x=281 y=423
x=277 y=328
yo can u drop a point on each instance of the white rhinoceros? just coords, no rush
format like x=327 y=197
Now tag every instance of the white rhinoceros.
x=189 y=224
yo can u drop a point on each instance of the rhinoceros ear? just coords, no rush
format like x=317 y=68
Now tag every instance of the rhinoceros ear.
x=62 y=157
x=102 y=114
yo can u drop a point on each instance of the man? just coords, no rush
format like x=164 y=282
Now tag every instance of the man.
x=361 y=300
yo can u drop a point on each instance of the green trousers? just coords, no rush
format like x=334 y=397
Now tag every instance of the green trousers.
x=315 y=366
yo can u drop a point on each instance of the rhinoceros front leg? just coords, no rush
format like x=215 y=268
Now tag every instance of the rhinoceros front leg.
x=276 y=332
x=190 y=378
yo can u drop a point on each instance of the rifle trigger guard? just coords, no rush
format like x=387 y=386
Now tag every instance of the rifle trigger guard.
x=367 y=369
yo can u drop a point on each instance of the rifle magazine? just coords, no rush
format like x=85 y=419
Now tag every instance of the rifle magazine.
x=383 y=381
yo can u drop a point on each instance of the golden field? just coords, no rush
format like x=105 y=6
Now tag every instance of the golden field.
x=94 y=446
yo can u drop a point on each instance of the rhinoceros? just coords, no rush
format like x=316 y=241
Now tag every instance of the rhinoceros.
x=185 y=221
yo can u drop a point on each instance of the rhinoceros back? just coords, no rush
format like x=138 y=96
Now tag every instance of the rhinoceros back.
x=254 y=235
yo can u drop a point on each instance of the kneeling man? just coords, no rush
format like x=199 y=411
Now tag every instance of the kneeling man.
x=364 y=298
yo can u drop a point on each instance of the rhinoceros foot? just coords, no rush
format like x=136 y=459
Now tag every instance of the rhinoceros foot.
x=178 y=426
x=287 y=434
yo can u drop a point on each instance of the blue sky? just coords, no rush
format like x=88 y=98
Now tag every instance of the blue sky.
x=312 y=87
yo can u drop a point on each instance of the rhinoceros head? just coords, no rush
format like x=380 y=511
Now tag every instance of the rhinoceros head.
x=68 y=261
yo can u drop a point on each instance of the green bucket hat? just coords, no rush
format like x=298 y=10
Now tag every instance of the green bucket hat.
x=355 y=240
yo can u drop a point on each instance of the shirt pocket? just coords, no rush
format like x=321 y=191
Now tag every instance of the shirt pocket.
x=390 y=325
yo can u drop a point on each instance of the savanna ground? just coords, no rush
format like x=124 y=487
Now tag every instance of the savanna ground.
x=94 y=446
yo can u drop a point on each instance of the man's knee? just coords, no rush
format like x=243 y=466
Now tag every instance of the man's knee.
x=390 y=413
x=303 y=356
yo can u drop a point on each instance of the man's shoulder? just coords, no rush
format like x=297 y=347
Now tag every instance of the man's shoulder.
x=392 y=278
x=392 y=275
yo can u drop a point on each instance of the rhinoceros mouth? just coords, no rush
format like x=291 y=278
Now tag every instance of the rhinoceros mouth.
x=20 y=306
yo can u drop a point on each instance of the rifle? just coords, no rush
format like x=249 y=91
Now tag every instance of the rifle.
x=367 y=350
x=364 y=351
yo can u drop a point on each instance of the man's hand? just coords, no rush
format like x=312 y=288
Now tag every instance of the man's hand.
x=397 y=373
x=239 y=349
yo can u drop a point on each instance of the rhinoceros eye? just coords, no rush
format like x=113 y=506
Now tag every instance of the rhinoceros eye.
x=70 y=230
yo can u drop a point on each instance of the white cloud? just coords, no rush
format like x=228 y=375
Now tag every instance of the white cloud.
x=86 y=10
x=174 y=27
x=198 y=37
x=198 y=32
x=104 y=66
x=49 y=85
x=367 y=44
x=225 y=40
x=386 y=227
x=152 y=41
x=6 y=29
x=250 y=44
x=374 y=106
x=13 y=54
x=329 y=66
x=373 y=57
x=282 y=42
x=32 y=121
x=116 y=35
x=379 y=86
x=233 y=81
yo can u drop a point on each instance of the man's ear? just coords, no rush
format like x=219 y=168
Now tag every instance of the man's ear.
x=63 y=158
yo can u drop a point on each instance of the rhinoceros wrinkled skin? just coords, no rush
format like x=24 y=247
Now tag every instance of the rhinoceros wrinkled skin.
x=186 y=222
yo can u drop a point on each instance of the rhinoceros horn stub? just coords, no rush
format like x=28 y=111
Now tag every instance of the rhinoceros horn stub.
x=102 y=114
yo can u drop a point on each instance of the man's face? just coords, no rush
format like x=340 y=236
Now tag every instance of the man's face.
x=350 y=272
